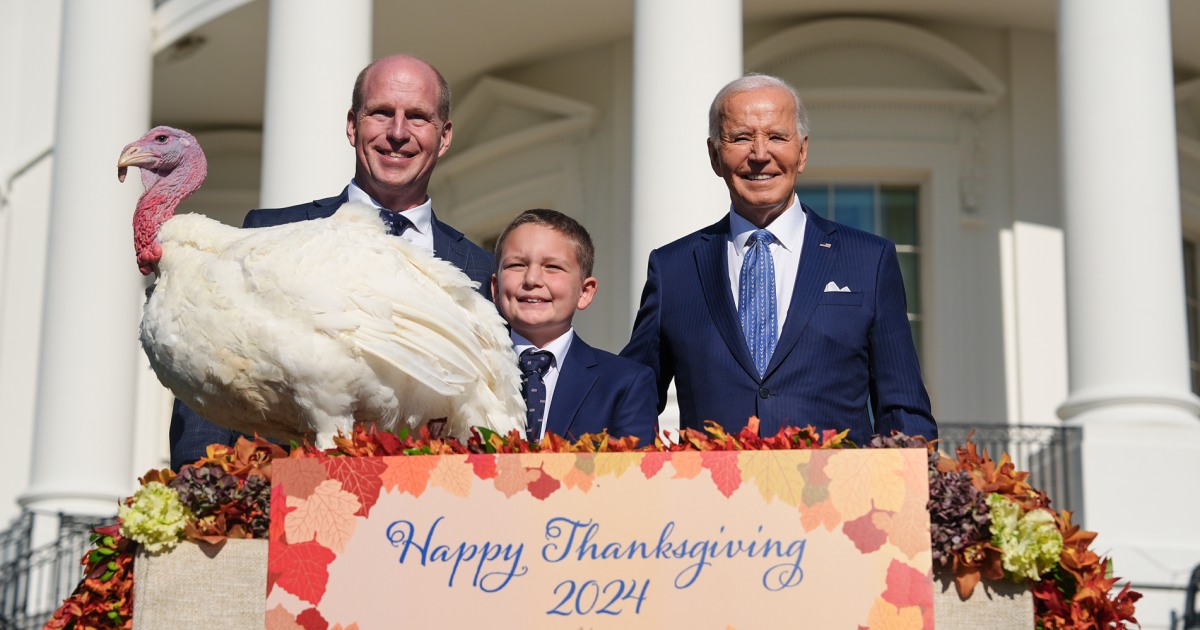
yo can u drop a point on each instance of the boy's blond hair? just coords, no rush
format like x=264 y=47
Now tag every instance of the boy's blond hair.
x=585 y=251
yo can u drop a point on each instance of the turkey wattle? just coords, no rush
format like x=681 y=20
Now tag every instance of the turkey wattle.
x=301 y=330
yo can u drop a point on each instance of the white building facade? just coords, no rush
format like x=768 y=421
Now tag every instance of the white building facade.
x=1037 y=162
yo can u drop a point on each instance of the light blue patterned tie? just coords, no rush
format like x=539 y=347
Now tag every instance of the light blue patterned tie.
x=756 y=299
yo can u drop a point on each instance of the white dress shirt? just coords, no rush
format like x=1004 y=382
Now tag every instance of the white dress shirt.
x=788 y=229
x=421 y=217
x=559 y=348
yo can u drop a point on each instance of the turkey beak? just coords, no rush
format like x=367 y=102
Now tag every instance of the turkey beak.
x=132 y=156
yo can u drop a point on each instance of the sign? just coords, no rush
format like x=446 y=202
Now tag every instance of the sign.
x=712 y=539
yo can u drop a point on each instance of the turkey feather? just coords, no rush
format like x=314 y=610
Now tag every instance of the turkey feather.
x=300 y=330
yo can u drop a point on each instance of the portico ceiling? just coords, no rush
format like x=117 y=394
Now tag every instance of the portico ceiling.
x=467 y=39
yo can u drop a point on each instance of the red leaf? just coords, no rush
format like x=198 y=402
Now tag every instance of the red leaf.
x=360 y=476
x=484 y=465
x=816 y=468
x=300 y=476
x=303 y=570
x=311 y=619
x=864 y=534
x=543 y=486
x=907 y=586
x=724 y=468
x=279 y=511
x=653 y=462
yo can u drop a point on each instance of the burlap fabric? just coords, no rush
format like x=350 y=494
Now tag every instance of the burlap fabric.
x=993 y=606
x=202 y=586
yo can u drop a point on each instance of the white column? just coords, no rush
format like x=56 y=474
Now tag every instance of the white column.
x=1125 y=294
x=85 y=399
x=684 y=51
x=314 y=50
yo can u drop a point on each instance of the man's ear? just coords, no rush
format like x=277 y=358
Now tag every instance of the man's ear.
x=447 y=135
x=588 y=293
x=714 y=158
x=351 y=126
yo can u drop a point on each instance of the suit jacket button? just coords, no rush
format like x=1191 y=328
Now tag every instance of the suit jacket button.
x=763 y=392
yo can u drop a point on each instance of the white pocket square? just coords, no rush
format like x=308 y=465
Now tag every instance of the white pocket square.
x=832 y=287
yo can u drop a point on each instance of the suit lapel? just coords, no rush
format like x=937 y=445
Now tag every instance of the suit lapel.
x=816 y=266
x=575 y=379
x=712 y=265
x=447 y=243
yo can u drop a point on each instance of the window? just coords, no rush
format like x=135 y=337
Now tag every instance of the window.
x=889 y=211
x=1193 y=311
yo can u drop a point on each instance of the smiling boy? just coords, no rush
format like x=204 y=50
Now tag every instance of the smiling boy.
x=543 y=275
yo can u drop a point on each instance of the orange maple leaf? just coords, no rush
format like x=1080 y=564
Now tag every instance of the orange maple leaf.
x=511 y=476
x=823 y=514
x=687 y=464
x=278 y=618
x=884 y=616
x=408 y=474
x=554 y=465
x=453 y=474
x=578 y=479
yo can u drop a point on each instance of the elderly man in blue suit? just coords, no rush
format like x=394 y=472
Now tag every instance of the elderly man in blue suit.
x=774 y=311
x=399 y=124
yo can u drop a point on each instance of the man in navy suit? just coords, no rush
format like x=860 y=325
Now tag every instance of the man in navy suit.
x=543 y=275
x=774 y=311
x=399 y=124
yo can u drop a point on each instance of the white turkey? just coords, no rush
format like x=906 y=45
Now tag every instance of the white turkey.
x=301 y=330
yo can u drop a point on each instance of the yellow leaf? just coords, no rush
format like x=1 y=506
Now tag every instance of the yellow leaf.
x=453 y=474
x=858 y=478
x=616 y=463
x=775 y=473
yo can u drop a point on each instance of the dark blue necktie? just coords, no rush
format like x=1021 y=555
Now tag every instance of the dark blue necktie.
x=534 y=364
x=757 y=309
x=395 y=222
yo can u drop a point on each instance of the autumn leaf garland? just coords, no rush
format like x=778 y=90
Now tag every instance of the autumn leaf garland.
x=227 y=495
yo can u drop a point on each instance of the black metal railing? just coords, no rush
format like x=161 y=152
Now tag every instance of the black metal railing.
x=34 y=581
x=1049 y=453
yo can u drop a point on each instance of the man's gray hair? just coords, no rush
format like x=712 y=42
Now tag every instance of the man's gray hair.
x=753 y=81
